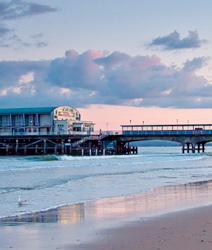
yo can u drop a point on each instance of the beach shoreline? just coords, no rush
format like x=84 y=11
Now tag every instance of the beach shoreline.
x=102 y=222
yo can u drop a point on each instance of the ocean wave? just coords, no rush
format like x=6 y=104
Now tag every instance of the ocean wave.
x=60 y=182
x=42 y=158
x=5 y=190
x=168 y=188
x=96 y=157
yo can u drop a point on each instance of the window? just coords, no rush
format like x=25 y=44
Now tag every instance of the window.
x=30 y=120
x=17 y=120
x=5 y=121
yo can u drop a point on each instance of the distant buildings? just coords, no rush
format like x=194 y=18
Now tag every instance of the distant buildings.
x=43 y=120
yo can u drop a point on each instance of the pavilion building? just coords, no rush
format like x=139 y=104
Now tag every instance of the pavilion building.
x=43 y=120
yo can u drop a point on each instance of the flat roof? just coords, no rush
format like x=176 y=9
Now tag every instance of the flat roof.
x=16 y=111
x=166 y=125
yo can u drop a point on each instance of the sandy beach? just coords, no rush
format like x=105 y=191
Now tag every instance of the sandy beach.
x=172 y=217
x=191 y=230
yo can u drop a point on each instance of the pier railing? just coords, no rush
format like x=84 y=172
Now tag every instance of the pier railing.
x=44 y=133
x=170 y=132
x=80 y=133
x=177 y=129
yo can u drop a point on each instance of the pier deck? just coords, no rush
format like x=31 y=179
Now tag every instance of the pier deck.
x=193 y=138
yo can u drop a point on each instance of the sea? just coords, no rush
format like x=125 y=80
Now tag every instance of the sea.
x=50 y=181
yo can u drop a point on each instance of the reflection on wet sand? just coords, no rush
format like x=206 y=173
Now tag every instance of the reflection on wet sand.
x=64 y=215
x=158 y=201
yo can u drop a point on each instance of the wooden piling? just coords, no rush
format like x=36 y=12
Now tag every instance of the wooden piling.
x=16 y=146
x=188 y=147
x=55 y=149
x=203 y=147
x=7 y=149
x=44 y=146
x=183 y=149
x=62 y=147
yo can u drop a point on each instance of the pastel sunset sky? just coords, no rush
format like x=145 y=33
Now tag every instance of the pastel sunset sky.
x=120 y=61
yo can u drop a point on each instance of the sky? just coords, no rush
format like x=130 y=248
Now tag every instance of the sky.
x=118 y=62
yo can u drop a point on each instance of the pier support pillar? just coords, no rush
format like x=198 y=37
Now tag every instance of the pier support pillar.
x=82 y=152
x=188 y=146
x=203 y=147
x=7 y=149
x=62 y=147
x=198 y=147
x=183 y=148
x=193 y=148
x=16 y=147
x=25 y=150
x=36 y=148
x=55 y=149
x=44 y=146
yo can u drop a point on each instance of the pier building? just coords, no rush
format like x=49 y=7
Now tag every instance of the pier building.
x=60 y=130
x=43 y=120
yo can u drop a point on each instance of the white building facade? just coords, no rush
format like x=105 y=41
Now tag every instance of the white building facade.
x=55 y=120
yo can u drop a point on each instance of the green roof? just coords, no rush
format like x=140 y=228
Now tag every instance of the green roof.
x=16 y=111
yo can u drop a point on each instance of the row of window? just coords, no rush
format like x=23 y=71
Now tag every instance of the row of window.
x=18 y=120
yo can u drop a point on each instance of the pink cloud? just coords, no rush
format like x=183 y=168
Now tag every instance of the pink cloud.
x=99 y=77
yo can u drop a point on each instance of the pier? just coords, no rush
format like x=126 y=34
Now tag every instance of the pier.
x=192 y=137
x=70 y=144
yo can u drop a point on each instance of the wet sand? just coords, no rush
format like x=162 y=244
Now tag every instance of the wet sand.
x=171 y=217
x=190 y=230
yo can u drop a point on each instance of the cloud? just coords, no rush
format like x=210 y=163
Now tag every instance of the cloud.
x=39 y=35
x=41 y=44
x=196 y=63
x=16 y=9
x=8 y=40
x=99 y=77
x=3 y=31
x=174 y=42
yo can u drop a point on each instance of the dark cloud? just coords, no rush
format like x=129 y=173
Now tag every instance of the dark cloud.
x=41 y=44
x=174 y=42
x=37 y=36
x=96 y=77
x=16 y=9
x=196 y=63
x=4 y=31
